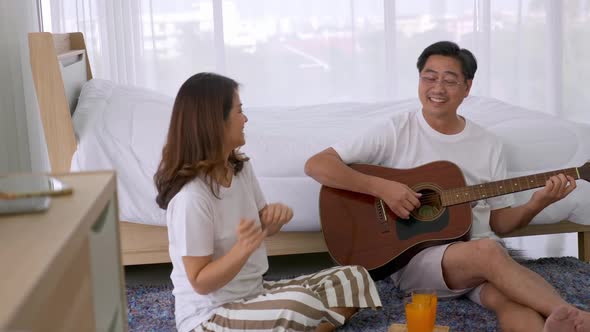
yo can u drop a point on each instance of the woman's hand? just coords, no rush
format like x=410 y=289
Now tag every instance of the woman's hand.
x=250 y=236
x=274 y=216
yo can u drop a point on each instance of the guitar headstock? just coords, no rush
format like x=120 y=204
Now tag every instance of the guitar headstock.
x=584 y=171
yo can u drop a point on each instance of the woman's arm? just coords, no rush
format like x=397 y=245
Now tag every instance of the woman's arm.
x=207 y=275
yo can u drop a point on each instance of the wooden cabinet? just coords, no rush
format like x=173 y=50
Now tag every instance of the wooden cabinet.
x=61 y=269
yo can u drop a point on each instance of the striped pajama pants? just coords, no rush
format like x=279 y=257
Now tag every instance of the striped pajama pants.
x=298 y=304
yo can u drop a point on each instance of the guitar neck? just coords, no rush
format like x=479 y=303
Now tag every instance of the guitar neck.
x=503 y=187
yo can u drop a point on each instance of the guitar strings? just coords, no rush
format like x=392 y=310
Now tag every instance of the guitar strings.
x=430 y=201
x=432 y=198
x=436 y=195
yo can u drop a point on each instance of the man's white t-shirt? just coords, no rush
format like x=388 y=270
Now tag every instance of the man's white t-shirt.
x=406 y=141
x=199 y=224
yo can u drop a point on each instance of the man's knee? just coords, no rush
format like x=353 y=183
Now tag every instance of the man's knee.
x=491 y=297
x=467 y=264
x=488 y=251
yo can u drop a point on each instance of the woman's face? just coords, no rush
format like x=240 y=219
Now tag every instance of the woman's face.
x=234 y=125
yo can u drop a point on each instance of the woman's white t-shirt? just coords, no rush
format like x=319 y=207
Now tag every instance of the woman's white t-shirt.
x=406 y=141
x=199 y=224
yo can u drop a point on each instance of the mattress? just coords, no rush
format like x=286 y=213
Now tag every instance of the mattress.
x=123 y=128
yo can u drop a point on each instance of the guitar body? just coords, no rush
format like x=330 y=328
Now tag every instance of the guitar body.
x=361 y=230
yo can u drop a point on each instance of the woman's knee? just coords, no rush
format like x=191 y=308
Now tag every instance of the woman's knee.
x=306 y=308
x=350 y=270
x=298 y=296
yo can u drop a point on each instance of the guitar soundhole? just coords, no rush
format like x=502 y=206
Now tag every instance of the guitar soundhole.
x=430 y=203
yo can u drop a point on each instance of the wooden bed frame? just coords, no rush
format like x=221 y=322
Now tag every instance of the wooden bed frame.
x=52 y=56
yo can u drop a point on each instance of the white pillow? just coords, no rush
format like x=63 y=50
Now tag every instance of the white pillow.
x=574 y=207
x=534 y=142
x=93 y=99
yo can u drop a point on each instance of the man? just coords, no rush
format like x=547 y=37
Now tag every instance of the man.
x=481 y=268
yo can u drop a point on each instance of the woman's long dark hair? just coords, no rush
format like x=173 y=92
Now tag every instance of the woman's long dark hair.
x=194 y=146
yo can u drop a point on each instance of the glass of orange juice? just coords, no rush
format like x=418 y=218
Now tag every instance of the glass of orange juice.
x=418 y=316
x=427 y=297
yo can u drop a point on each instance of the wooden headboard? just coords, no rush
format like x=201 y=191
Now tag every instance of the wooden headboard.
x=60 y=67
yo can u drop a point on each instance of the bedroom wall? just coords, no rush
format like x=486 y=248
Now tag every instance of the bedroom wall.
x=22 y=144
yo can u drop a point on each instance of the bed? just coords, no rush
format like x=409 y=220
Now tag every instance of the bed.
x=93 y=124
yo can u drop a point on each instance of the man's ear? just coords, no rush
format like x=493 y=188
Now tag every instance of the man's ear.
x=468 y=84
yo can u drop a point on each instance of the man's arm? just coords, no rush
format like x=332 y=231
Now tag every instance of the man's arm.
x=506 y=220
x=328 y=169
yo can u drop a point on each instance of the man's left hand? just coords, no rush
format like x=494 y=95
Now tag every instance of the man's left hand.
x=556 y=188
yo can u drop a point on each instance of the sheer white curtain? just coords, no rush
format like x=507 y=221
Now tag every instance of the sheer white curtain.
x=531 y=52
x=22 y=143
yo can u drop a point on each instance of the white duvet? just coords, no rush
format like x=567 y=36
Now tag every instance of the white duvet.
x=124 y=128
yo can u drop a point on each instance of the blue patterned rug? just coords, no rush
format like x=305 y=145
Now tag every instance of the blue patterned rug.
x=151 y=308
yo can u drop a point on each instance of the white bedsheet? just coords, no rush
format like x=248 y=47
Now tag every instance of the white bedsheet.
x=124 y=128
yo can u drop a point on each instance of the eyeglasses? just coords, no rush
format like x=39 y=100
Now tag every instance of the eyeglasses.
x=447 y=83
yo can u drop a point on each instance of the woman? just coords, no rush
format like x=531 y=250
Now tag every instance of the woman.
x=218 y=219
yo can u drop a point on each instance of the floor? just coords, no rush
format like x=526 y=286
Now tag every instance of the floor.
x=280 y=267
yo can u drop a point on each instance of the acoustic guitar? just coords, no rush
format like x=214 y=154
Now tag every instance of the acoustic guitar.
x=361 y=230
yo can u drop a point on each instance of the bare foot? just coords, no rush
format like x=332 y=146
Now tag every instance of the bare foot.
x=584 y=326
x=564 y=318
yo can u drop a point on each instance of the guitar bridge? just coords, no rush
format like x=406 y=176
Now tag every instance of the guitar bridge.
x=381 y=215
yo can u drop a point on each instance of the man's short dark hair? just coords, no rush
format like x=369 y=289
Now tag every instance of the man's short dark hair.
x=450 y=49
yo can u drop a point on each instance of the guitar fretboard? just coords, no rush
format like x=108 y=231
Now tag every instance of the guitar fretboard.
x=497 y=188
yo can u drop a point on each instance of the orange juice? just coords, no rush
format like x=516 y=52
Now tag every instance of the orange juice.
x=418 y=317
x=428 y=298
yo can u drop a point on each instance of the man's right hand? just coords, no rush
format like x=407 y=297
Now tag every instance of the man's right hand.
x=399 y=197
x=250 y=236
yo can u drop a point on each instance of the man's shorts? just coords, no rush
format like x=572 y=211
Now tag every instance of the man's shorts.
x=424 y=271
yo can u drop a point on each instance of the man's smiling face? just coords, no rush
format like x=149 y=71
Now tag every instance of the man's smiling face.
x=442 y=85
